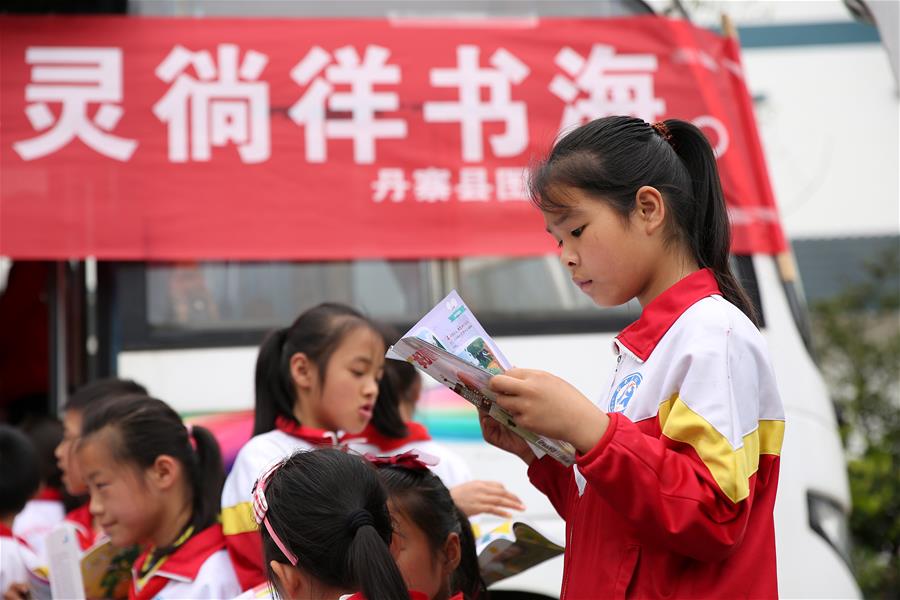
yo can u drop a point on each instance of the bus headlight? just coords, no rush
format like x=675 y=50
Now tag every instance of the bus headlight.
x=828 y=519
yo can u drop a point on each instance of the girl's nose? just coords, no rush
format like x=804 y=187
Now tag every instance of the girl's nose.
x=94 y=507
x=568 y=258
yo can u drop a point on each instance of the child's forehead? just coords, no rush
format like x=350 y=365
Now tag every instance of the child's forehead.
x=361 y=340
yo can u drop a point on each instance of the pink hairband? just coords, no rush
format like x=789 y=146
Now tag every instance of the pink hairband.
x=261 y=508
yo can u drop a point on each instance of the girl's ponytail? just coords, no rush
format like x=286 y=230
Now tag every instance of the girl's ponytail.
x=371 y=565
x=709 y=236
x=274 y=387
x=207 y=478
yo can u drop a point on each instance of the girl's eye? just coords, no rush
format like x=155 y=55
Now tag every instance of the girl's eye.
x=559 y=243
x=578 y=232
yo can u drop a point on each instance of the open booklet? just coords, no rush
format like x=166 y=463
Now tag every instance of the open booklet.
x=451 y=346
x=511 y=548
x=101 y=571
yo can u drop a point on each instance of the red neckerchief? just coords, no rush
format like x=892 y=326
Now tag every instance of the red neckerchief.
x=316 y=437
x=49 y=493
x=182 y=565
x=413 y=595
x=84 y=525
x=642 y=336
x=416 y=432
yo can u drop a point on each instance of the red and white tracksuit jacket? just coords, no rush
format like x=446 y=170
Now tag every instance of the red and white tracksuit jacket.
x=257 y=455
x=198 y=568
x=676 y=499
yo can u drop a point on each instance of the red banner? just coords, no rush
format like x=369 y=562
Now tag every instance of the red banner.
x=159 y=139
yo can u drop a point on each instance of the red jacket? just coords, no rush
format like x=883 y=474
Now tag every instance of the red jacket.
x=676 y=499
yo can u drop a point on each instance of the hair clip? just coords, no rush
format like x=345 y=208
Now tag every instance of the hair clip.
x=662 y=129
x=411 y=459
x=261 y=509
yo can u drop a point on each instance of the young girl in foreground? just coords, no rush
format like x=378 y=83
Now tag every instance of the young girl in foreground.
x=313 y=379
x=677 y=467
x=156 y=484
x=326 y=530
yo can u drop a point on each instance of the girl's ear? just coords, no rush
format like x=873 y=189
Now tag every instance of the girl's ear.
x=165 y=472
x=288 y=580
x=303 y=371
x=452 y=553
x=649 y=209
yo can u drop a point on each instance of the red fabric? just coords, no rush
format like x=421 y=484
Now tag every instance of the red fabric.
x=211 y=202
x=48 y=493
x=84 y=525
x=246 y=554
x=185 y=561
x=667 y=529
x=416 y=432
x=318 y=437
x=657 y=317
x=413 y=595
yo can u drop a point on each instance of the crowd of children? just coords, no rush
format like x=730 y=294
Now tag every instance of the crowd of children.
x=340 y=494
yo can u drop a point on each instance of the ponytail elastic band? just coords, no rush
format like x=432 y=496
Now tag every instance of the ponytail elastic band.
x=663 y=130
x=358 y=519
x=261 y=509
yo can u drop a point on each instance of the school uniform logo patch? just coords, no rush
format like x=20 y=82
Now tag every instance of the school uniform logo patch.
x=624 y=392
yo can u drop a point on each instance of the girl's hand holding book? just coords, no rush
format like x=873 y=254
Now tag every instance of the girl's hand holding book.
x=548 y=405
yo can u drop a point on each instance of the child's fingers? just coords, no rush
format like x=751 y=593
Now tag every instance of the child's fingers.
x=504 y=384
x=493 y=510
x=494 y=492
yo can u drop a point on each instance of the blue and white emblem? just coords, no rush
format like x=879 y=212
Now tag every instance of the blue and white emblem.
x=624 y=392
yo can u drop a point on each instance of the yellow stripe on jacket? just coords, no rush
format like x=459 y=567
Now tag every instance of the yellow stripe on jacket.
x=238 y=519
x=730 y=467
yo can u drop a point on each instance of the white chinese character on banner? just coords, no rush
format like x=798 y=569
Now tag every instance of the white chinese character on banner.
x=510 y=183
x=390 y=182
x=432 y=185
x=471 y=112
x=74 y=77
x=473 y=185
x=362 y=102
x=224 y=104
x=615 y=85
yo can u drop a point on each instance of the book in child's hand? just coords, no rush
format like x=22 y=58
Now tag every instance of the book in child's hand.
x=512 y=548
x=451 y=346
x=101 y=571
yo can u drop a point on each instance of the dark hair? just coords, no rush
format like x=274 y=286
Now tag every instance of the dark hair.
x=317 y=333
x=394 y=384
x=611 y=158
x=426 y=501
x=330 y=509
x=146 y=428
x=100 y=389
x=20 y=474
x=45 y=434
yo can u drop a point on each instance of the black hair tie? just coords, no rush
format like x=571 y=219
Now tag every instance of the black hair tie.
x=358 y=519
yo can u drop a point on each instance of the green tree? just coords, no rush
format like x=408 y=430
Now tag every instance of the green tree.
x=857 y=337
